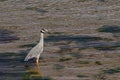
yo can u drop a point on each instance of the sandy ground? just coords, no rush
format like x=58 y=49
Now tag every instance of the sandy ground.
x=74 y=48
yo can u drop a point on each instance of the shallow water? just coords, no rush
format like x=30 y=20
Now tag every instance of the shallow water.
x=7 y=36
x=79 y=47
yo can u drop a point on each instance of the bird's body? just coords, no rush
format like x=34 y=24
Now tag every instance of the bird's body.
x=36 y=51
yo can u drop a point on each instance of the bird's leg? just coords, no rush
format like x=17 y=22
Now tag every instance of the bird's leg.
x=37 y=61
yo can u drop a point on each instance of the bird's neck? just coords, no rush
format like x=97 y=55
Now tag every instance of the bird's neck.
x=41 y=37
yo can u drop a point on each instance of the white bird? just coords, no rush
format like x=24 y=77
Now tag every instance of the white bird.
x=36 y=51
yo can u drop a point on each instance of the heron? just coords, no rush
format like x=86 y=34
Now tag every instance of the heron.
x=36 y=51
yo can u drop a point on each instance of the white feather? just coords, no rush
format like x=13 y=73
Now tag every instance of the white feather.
x=36 y=51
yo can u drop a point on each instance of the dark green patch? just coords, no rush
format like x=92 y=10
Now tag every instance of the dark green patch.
x=33 y=72
x=81 y=76
x=108 y=46
x=36 y=78
x=105 y=48
x=98 y=63
x=57 y=38
x=27 y=45
x=36 y=9
x=58 y=33
x=82 y=0
x=101 y=0
x=58 y=66
x=40 y=78
x=83 y=62
x=76 y=55
x=65 y=59
x=112 y=71
x=110 y=29
x=26 y=77
x=42 y=11
x=31 y=8
x=107 y=39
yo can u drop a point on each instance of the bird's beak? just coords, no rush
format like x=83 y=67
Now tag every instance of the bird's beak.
x=49 y=32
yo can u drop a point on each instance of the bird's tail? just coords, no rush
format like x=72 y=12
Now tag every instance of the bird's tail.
x=25 y=59
x=29 y=56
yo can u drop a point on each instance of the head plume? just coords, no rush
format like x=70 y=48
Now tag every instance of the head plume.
x=44 y=30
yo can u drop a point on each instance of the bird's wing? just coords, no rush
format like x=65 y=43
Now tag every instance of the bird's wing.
x=34 y=52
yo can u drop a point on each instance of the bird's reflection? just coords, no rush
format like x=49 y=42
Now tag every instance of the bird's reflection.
x=33 y=71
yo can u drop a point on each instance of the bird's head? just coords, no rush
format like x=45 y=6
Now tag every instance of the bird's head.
x=44 y=30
